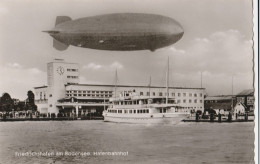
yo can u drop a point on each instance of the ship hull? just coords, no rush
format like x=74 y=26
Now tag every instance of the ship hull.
x=147 y=119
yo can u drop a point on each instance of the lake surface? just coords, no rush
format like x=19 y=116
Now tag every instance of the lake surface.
x=67 y=141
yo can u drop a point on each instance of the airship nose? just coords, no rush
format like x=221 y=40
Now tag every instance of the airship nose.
x=177 y=30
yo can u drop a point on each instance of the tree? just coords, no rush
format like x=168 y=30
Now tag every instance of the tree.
x=7 y=102
x=30 y=105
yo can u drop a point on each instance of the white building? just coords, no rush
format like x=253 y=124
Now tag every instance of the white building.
x=65 y=93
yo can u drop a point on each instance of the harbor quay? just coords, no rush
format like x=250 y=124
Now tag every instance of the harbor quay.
x=65 y=95
x=64 y=98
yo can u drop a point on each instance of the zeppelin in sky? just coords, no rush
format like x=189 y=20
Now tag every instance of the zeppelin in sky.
x=116 y=32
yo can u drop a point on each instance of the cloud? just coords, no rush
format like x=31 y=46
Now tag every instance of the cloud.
x=14 y=65
x=83 y=80
x=116 y=65
x=174 y=50
x=219 y=56
x=222 y=52
x=94 y=66
x=18 y=79
x=3 y=10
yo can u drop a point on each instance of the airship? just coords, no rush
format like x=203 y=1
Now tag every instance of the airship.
x=116 y=32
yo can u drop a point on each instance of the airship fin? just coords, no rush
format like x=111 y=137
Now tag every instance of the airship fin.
x=61 y=19
x=59 y=46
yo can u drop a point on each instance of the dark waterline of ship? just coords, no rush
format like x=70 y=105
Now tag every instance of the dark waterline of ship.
x=66 y=141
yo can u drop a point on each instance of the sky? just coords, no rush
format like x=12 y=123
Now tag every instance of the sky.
x=217 y=44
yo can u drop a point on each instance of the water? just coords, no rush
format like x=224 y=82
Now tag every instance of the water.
x=182 y=143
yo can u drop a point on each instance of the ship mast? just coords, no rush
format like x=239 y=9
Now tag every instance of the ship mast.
x=150 y=87
x=167 y=81
x=115 y=83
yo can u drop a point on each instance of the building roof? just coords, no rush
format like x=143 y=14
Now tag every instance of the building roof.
x=221 y=97
x=108 y=85
x=247 y=92
x=40 y=87
x=61 y=61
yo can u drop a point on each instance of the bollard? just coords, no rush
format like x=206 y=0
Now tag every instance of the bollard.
x=229 y=117
x=197 y=117
x=4 y=117
x=246 y=117
x=211 y=117
x=219 y=117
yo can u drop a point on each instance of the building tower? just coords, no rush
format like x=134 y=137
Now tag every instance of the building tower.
x=59 y=74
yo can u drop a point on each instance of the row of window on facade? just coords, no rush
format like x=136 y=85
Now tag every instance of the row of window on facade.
x=248 y=100
x=93 y=92
x=42 y=95
x=217 y=101
x=142 y=93
x=128 y=111
x=190 y=101
x=172 y=94
x=89 y=95
x=72 y=77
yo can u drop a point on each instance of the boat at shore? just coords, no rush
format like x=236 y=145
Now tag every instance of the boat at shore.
x=130 y=107
x=133 y=108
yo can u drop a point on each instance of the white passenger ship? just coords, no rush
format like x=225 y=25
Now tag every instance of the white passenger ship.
x=133 y=108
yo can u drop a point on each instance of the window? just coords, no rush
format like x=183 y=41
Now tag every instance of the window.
x=190 y=101
x=72 y=70
x=148 y=93
x=195 y=101
x=50 y=95
x=200 y=101
x=50 y=105
x=141 y=93
x=195 y=94
x=201 y=95
x=153 y=93
x=179 y=94
x=160 y=93
x=173 y=94
x=184 y=101
x=184 y=94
